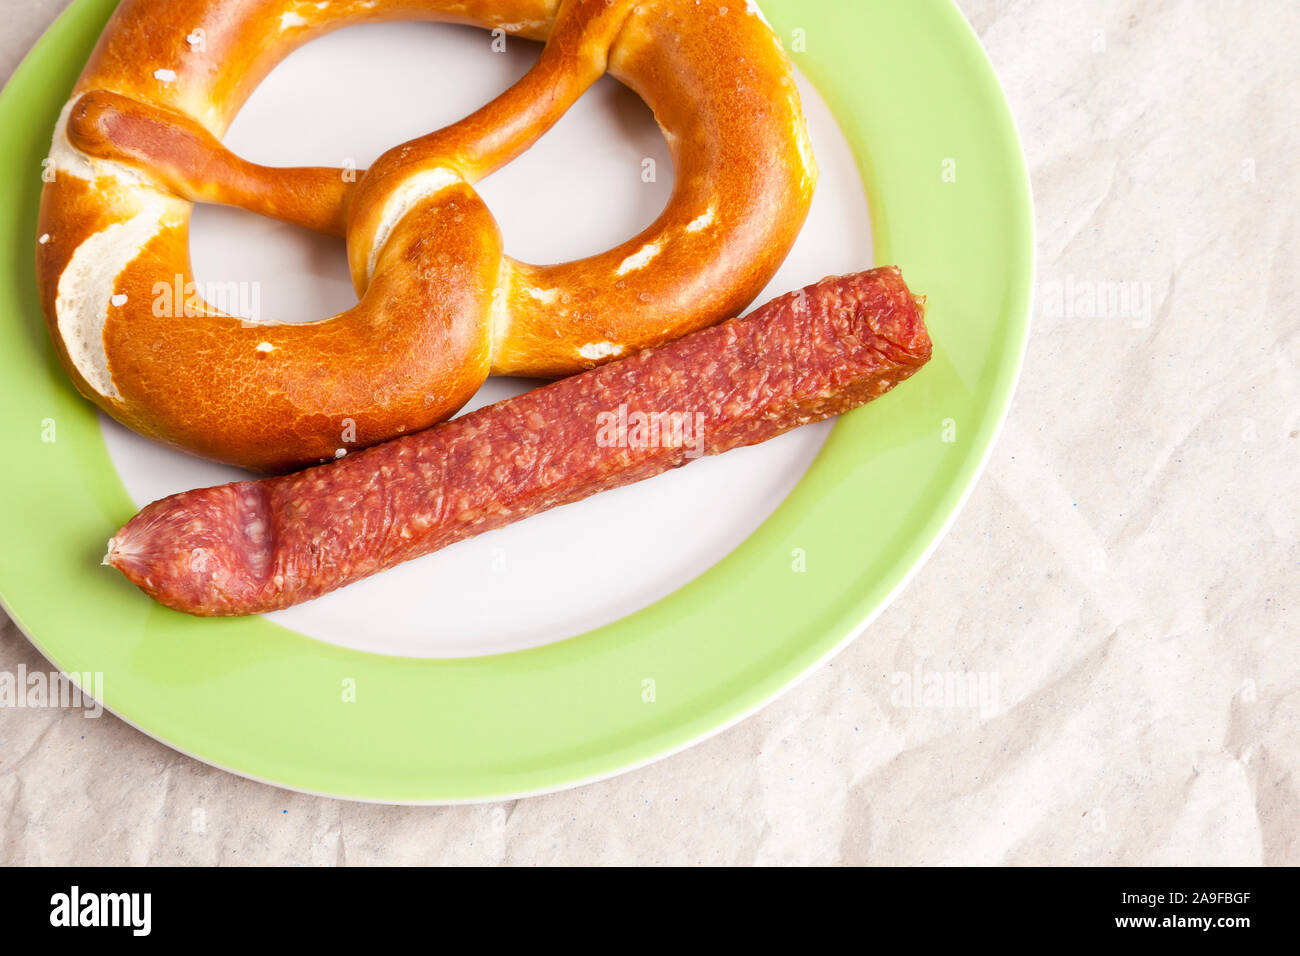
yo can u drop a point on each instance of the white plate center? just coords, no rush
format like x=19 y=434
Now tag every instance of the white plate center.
x=352 y=95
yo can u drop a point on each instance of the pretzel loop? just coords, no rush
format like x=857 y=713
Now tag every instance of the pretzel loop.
x=441 y=306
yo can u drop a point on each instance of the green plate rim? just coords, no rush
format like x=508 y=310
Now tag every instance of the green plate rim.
x=950 y=197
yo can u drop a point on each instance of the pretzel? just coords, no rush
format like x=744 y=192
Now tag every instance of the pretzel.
x=441 y=307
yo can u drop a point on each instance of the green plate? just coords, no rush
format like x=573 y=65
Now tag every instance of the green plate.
x=949 y=195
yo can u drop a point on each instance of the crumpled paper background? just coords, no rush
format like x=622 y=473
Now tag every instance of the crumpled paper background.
x=1123 y=579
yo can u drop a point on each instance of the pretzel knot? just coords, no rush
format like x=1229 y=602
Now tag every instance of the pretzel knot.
x=441 y=307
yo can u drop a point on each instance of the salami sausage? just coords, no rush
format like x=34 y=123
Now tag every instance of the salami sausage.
x=256 y=546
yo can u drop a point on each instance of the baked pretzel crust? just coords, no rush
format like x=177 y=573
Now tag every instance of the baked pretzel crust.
x=441 y=306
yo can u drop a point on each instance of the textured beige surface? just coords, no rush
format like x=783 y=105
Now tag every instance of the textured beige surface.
x=1123 y=581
